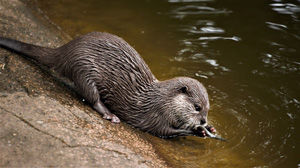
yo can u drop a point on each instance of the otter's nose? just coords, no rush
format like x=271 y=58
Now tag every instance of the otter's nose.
x=202 y=121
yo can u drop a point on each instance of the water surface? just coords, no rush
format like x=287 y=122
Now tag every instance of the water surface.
x=245 y=52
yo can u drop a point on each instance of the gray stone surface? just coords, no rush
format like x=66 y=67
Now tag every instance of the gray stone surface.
x=42 y=122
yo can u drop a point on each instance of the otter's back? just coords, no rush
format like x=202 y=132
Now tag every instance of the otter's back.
x=116 y=68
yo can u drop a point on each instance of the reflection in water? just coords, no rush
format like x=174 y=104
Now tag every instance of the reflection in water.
x=245 y=52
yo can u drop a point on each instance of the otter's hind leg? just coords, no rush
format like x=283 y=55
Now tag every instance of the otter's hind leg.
x=89 y=91
x=101 y=108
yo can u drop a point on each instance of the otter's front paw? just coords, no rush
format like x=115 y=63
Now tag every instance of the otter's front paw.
x=210 y=128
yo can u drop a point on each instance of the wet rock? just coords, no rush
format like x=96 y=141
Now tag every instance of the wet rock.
x=43 y=123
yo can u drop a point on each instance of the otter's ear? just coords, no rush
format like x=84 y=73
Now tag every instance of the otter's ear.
x=183 y=89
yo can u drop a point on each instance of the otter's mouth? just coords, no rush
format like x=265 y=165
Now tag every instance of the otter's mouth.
x=207 y=131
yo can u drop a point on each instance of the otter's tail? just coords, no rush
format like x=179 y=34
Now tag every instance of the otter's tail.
x=43 y=55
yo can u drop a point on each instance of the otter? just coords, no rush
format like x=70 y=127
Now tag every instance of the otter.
x=115 y=80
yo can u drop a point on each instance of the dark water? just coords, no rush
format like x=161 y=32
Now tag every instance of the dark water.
x=245 y=52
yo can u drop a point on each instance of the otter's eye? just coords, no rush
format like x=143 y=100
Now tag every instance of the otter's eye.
x=197 y=108
x=183 y=89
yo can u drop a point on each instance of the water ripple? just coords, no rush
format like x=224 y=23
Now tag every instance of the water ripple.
x=234 y=38
x=198 y=10
x=276 y=26
x=278 y=62
x=203 y=30
x=286 y=8
x=196 y=49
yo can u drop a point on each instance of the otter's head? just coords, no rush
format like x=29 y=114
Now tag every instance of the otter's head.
x=185 y=105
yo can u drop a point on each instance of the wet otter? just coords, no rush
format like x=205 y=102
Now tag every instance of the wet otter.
x=116 y=81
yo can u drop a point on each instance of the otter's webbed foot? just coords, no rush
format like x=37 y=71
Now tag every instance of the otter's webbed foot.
x=113 y=118
x=100 y=108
